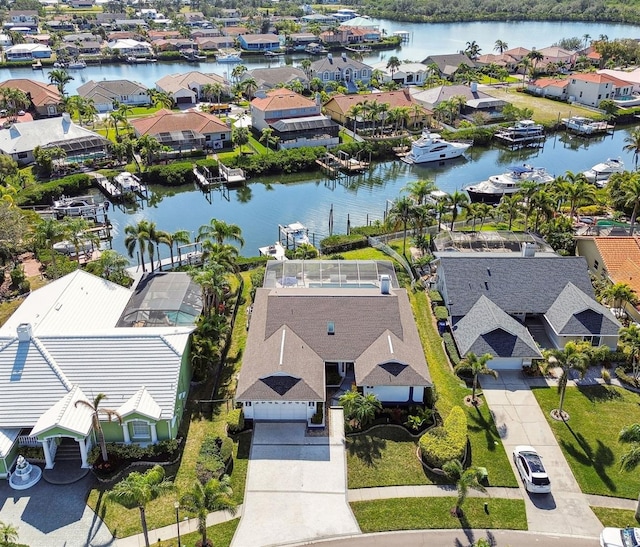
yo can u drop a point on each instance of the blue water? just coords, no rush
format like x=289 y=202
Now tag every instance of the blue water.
x=265 y=202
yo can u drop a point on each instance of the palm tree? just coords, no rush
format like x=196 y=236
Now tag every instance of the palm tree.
x=96 y=411
x=630 y=338
x=420 y=189
x=249 y=86
x=400 y=212
x=138 y=489
x=619 y=294
x=237 y=72
x=456 y=200
x=354 y=113
x=358 y=408
x=138 y=235
x=47 y=233
x=535 y=57
x=500 y=46
x=511 y=207
x=212 y=281
x=465 y=479
x=630 y=189
x=476 y=366
x=577 y=190
x=572 y=357
x=213 y=496
x=472 y=50
x=220 y=231
x=75 y=230
x=149 y=148
x=393 y=64
x=170 y=239
x=8 y=535
x=266 y=136
x=633 y=144
x=111 y=265
x=305 y=64
x=586 y=38
x=240 y=137
x=60 y=78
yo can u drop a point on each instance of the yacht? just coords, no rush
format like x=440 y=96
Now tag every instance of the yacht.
x=496 y=186
x=77 y=64
x=522 y=131
x=128 y=183
x=432 y=147
x=229 y=57
x=80 y=206
x=599 y=174
x=586 y=126
x=295 y=233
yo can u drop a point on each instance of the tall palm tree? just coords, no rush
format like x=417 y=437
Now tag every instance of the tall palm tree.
x=266 y=136
x=476 y=366
x=630 y=338
x=138 y=489
x=111 y=265
x=535 y=57
x=420 y=189
x=212 y=281
x=354 y=113
x=400 y=212
x=240 y=137
x=572 y=357
x=249 y=86
x=577 y=190
x=619 y=294
x=138 y=235
x=465 y=479
x=75 y=230
x=633 y=144
x=305 y=64
x=455 y=201
x=170 y=239
x=500 y=46
x=47 y=233
x=393 y=64
x=510 y=205
x=220 y=231
x=96 y=412
x=213 y=496
x=60 y=78
x=472 y=50
x=237 y=72
x=8 y=534
x=631 y=197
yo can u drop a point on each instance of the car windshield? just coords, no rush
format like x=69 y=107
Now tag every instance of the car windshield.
x=534 y=462
x=540 y=481
x=630 y=537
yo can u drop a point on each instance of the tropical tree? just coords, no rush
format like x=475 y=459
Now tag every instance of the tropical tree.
x=472 y=50
x=96 y=412
x=240 y=137
x=393 y=64
x=111 y=266
x=213 y=496
x=354 y=113
x=465 y=480
x=572 y=357
x=633 y=144
x=305 y=64
x=455 y=201
x=213 y=283
x=420 y=190
x=47 y=233
x=500 y=46
x=8 y=534
x=170 y=239
x=149 y=148
x=139 y=235
x=359 y=409
x=535 y=56
x=220 y=231
x=577 y=190
x=249 y=86
x=619 y=294
x=162 y=99
x=510 y=206
x=630 y=190
x=400 y=212
x=476 y=366
x=76 y=231
x=238 y=72
x=630 y=339
x=138 y=489
x=266 y=136
x=60 y=78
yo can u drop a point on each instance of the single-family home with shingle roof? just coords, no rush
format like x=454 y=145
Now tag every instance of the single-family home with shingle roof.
x=341 y=69
x=109 y=92
x=67 y=342
x=342 y=320
x=448 y=64
x=259 y=42
x=499 y=304
x=45 y=98
x=187 y=87
x=269 y=78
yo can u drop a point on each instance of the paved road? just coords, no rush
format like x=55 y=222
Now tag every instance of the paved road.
x=520 y=420
x=296 y=486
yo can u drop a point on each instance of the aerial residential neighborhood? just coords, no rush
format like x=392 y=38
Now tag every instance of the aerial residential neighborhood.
x=317 y=274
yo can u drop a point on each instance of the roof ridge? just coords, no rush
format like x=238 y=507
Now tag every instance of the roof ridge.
x=52 y=363
x=64 y=407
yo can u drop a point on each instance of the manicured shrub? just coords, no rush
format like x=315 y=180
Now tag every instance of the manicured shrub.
x=235 y=421
x=214 y=457
x=441 y=444
x=173 y=174
x=436 y=298
x=441 y=313
x=451 y=348
x=46 y=192
x=626 y=378
x=281 y=161
x=341 y=243
x=165 y=450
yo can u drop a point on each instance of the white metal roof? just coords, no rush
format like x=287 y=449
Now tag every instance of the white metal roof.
x=66 y=415
x=141 y=403
x=78 y=302
x=7 y=438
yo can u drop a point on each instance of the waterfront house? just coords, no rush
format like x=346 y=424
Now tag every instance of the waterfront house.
x=405 y=74
x=269 y=78
x=295 y=120
x=186 y=131
x=320 y=19
x=186 y=88
x=27 y=52
x=632 y=77
x=508 y=305
x=130 y=24
x=107 y=93
x=591 y=88
x=259 y=42
x=320 y=323
x=45 y=98
x=341 y=69
x=558 y=56
x=448 y=64
x=81 y=335
x=20 y=139
x=127 y=47
x=476 y=101
x=553 y=88
x=22 y=19
x=60 y=26
x=615 y=259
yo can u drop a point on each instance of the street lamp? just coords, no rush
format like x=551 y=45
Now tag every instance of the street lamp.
x=176 y=504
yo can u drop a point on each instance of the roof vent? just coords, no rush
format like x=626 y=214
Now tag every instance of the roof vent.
x=331 y=328
x=25 y=332
x=528 y=249
x=385 y=284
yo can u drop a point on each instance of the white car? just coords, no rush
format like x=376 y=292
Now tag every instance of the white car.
x=533 y=474
x=620 y=537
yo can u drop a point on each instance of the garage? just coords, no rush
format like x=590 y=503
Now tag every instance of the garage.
x=505 y=363
x=280 y=410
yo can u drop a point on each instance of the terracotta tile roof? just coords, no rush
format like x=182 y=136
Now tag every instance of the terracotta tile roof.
x=629 y=273
x=550 y=82
x=598 y=78
x=41 y=93
x=281 y=99
x=615 y=251
x=393 y=98
x=165 y=121
x=518 y=51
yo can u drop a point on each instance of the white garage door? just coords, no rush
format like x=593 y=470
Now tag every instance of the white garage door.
x=282 y=411
x=505 y=364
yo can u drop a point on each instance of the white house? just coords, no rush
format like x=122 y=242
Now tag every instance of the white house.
x=128 y=46
x=109 y=92
x=27 y=52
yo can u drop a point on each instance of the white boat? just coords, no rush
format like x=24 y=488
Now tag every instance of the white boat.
x=496 y=186
x=76 y=207
x=273 y=53
x=296 y=234
x=129 y=183
x=276 y=251
x=77 y=65
x=36 y=65
x=432 y=147
x=229 y=57
x=522 y=131
x=599 y=174
x=68 y=248
x=586 y=126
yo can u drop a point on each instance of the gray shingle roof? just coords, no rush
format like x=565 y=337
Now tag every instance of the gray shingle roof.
x=516 y=285
x=487 y=329
x=114 y=89
x=574 y=313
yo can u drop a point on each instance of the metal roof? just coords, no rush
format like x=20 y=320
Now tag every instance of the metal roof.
x=141 y=403
x=7 y=438
x=66 y=415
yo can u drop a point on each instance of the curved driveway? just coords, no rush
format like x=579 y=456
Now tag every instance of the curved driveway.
x=520 y=420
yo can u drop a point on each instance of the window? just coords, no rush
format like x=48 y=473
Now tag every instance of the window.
x=140 y=430
x=596 y=264
x=22 y=155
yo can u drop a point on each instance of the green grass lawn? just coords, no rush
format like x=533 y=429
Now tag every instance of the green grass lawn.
x=220 y=534
x=589 y=440
x=615 y=518
x=434 y=513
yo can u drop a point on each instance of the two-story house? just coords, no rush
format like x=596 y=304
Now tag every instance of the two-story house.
x=341 y=69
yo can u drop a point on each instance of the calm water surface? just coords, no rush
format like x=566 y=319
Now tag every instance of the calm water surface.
x=267 y=202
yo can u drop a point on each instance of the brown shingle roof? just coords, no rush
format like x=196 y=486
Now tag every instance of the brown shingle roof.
x=41 y=94
x=281 y=99
x=165 y=121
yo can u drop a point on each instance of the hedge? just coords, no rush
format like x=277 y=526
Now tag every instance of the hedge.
x=442 y=444
x=281 y=161
x=436 y=297
x=135 y=451
x=44 y=193
x=245 y=264
x=451 y=348
x=173 y=174
x=214 y=457
x=341 y=243
x=441 y=313
x=235 y=421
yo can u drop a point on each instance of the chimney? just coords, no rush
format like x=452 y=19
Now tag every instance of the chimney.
x=25 y=332
x=344 y=56
x=385 y=284
x=528 y=249
x=330 y=57
x=318 y=99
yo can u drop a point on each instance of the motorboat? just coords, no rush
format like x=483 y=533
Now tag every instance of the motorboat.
x=315 y=49
x=128 y=183
x=522 y=132
x=295 y=233
x=68 y=248
x=586 y=126
x=229 y=57
x=599 y=174
x=77 y=65
x=75 y=207
x=432 y=147
x=496 y=186
x=273 y=53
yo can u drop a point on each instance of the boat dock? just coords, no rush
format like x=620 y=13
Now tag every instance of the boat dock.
x=344 y=163
x=508 y=138
x=226 y=175
x=107 y=187
x=276 y=251
x=404 y=35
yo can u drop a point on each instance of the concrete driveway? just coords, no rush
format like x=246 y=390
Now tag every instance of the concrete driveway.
x=54 y=515
x=520 y=420
x=296 y=486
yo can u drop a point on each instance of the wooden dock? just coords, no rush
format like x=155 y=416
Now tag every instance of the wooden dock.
x=343 y=163
x=226 y=175
x=107 y=187
x=507 y=138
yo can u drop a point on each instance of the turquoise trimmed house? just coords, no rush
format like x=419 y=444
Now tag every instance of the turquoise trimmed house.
x=81 y=335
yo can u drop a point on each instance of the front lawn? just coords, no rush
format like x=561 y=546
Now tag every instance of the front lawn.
x=434 y=513
x=615 y=518
x=589 y=440
x=220 y=534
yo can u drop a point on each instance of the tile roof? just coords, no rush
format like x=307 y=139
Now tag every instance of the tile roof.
x=187 y=80
x=281 y=99
x=550 y=82
x=488 y=329
x=394 y=98
x=66 y=415
x=41 y=94
x=164 y=121
x=596 y=78
x=621 y=258
x=141 y=402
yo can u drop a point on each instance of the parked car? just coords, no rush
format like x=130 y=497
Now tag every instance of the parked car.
x=532 y=471
x=620 y=537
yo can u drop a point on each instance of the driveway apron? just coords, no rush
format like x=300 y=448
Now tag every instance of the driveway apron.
x=520 y=421
x=296 y=486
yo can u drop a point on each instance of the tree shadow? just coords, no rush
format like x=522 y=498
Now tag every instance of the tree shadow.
x=244 y=445
x=600 y=459
x=600 y=393
x=479 y=422
x=366 y=448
